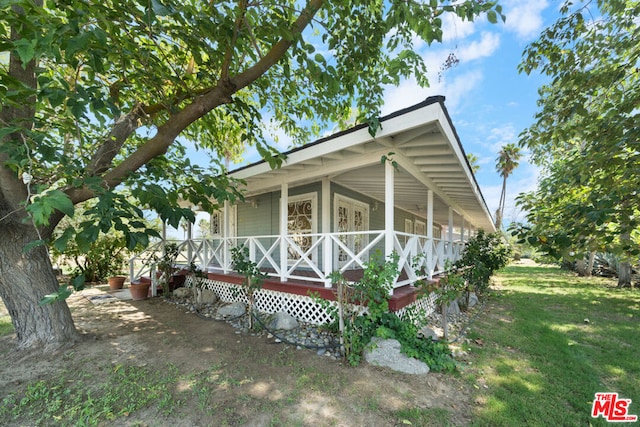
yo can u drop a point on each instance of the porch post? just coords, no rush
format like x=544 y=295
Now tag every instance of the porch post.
x=327 y=253
x=450 y=237
x=189 y=246
x=430 y=266
x=225 y=237
x=388 y=208
x=462 y=230
x=284 y=212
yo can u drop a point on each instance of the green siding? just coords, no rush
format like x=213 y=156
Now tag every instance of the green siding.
x=264 y=219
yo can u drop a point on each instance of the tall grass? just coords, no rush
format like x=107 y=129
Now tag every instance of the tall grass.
x=550 y=341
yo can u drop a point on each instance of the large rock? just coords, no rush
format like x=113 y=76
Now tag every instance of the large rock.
x=235 y=309
x=283 y=321
x=386 y=352
x=182 y=293
x=453 y=308
x=205 y=296
x=426 y=333
x=473 y=299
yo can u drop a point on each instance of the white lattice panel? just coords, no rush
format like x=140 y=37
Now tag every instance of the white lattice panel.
x=301 y=307
x=427 y=304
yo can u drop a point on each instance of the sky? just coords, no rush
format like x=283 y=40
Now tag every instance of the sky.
x=489 y=101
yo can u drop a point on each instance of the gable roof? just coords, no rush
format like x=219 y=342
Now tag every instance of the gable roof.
x=425 y=145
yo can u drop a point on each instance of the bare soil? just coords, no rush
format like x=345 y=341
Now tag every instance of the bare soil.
x=271 y=383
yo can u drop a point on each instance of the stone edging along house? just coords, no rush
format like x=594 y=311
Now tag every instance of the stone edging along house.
x=335 y=202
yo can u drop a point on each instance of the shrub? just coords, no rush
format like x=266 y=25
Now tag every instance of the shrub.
x=105 y=257
x=484 y=254
x=359 y=327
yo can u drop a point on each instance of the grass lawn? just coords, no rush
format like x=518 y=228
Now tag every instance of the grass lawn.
x=547 y=342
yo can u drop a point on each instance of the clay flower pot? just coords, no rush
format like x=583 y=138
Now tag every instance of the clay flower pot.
x=139 y=290
x=116 y=282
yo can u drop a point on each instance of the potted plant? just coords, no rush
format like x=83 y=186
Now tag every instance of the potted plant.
x=139 y=290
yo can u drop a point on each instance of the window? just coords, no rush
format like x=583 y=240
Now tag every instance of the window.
x=217 y=223
x=408 y=226
x=301 y=220
x=420 y=228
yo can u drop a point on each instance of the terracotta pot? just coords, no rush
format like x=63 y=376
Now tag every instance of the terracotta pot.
x=116 y=282
x=139 y=291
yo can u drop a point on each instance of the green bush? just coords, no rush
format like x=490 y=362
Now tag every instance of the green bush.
x=483 y=255
x=373 y=291
x=105 y=257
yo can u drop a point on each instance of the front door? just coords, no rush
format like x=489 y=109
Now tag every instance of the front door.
x=351 y=216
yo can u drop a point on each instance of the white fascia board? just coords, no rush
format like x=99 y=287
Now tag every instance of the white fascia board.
x=329 y=169
x=410 y=120
x=451 y=136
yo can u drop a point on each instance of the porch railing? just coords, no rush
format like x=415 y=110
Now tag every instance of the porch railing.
x=310 y=257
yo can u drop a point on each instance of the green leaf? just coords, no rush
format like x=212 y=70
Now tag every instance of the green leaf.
x=26 y=50
x=61 y=202
x=32 y=245
x=61 y=294
x=492 y=16
x=60 y=243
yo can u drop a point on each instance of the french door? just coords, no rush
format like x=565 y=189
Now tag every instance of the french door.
x=350 y=216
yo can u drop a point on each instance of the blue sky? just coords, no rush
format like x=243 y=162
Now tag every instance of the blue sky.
x=490 y=103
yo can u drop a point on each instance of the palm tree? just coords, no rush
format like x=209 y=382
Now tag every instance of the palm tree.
x=506 y=162
x=473 y=162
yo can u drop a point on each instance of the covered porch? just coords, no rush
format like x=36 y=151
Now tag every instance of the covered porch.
x=336 y=202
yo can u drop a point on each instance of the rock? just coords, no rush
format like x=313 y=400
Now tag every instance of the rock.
x=208 y=297
x=235 y=309
x=283 y=321
x=386 y=353
x=182 y=293
x=473 y=299
x=426 y=332
x=453 y=308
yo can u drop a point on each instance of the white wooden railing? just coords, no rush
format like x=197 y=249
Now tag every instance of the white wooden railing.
x=419 y=256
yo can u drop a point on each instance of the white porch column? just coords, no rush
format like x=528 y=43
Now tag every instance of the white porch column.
x=327 y=253
x=430 y=267
x=450 y=236
x=284 y=213
x=225 y=238
x=462 y=230
x=388 y=208
x=189 y=245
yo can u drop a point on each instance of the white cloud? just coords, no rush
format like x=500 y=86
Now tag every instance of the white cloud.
x=501 y=136
x=454 y=28
x=482 y=48
x=524 y=17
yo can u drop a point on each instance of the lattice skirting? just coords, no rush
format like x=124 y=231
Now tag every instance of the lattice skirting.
x=302 y=307
x=427 y=304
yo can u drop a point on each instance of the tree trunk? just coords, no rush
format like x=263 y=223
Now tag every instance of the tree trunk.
x=581 y=267
x=24 y=279
x=624 y=267
x=624 y=274
x=592 y=258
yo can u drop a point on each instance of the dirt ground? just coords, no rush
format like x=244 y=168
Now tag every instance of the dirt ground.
x=274 y=383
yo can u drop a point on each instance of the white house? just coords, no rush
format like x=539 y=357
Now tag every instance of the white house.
x=336 y=201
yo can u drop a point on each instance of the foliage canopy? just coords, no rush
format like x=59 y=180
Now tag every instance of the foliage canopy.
x=586 y=133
